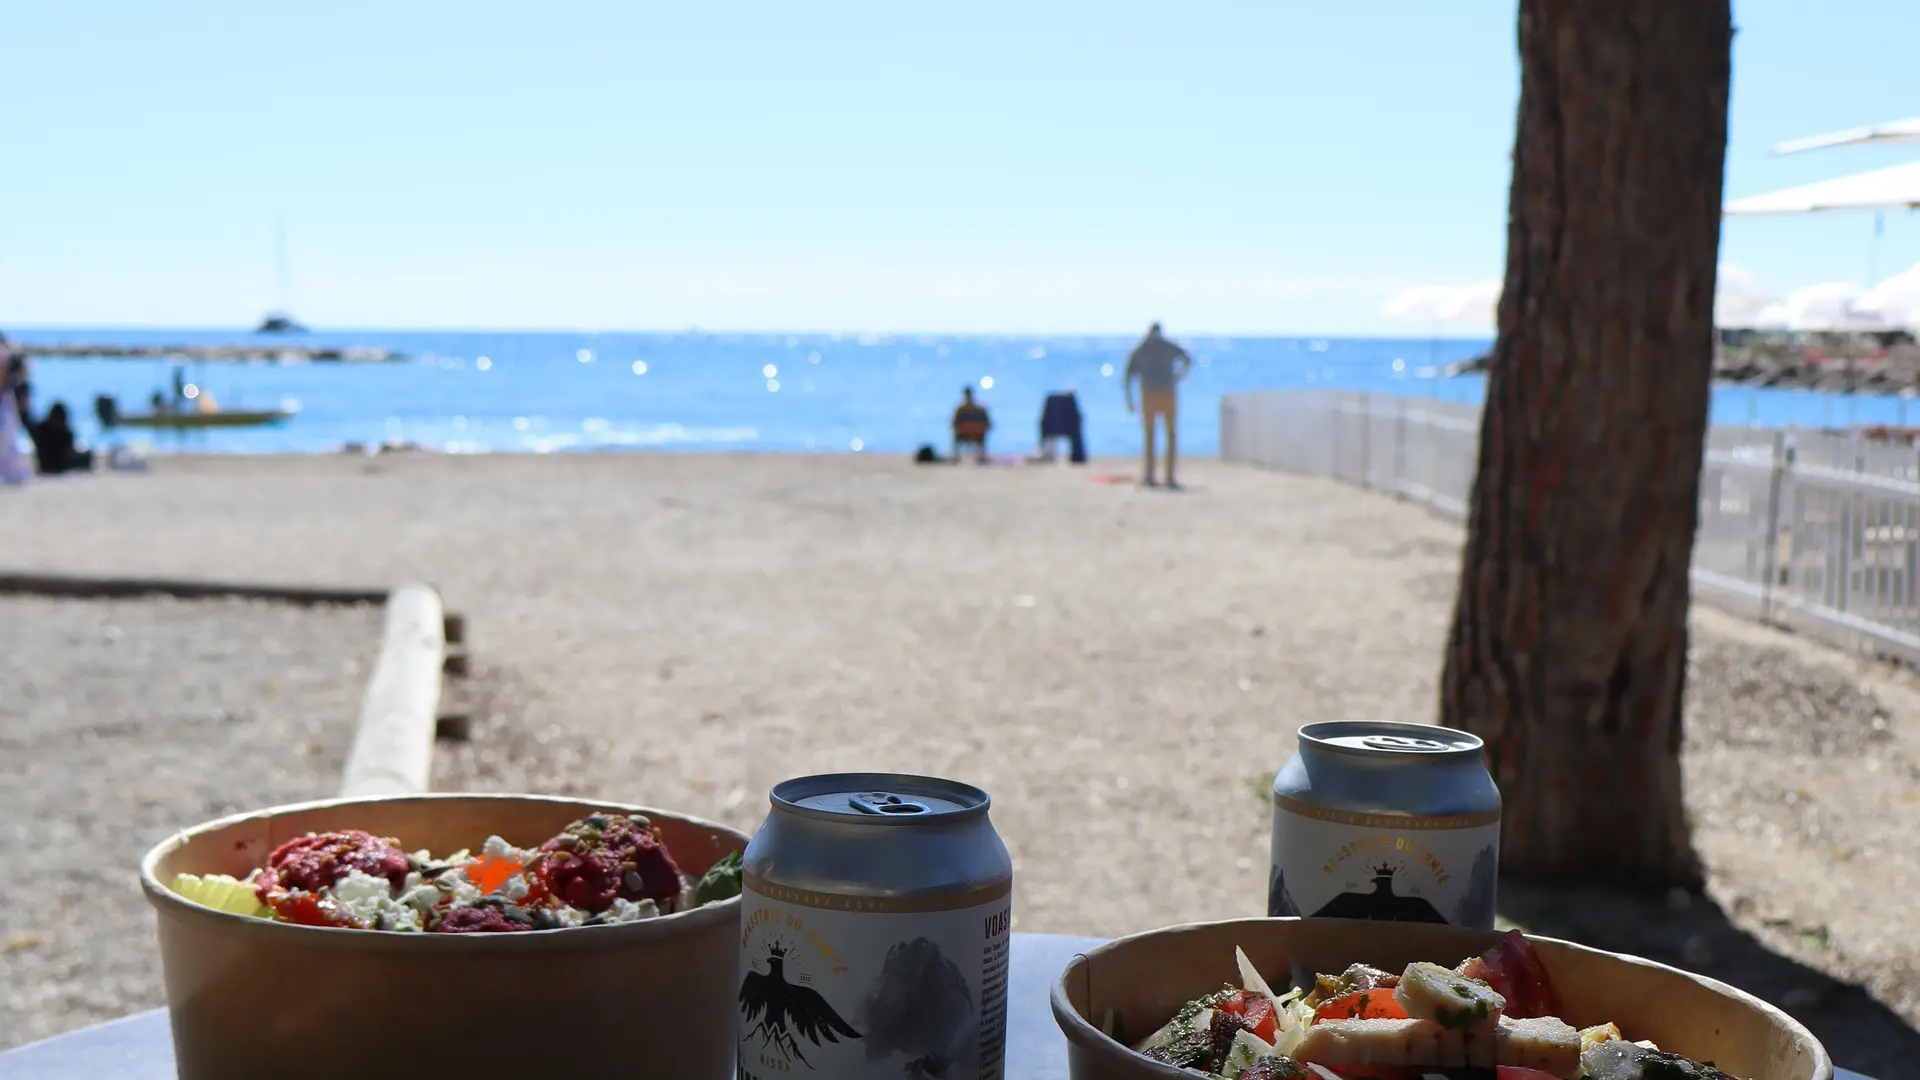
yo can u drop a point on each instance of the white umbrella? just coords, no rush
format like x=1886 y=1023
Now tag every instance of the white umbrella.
x=1892 y=188
x=1897 y=298
x=1899 y=131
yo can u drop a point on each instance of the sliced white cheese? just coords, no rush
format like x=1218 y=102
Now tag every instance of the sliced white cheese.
x=1547 y=1043
x=1431 y=992
x=1375 y=1042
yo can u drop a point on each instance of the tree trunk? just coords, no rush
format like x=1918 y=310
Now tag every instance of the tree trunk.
x=1569 y=645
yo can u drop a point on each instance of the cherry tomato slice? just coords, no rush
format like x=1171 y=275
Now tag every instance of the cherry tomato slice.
x=1255 y=1010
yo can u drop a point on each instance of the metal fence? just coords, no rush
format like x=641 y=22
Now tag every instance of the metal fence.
x=1809 y=530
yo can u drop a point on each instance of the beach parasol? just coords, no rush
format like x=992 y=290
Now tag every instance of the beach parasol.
x=1898 y=131
x=1894 y=188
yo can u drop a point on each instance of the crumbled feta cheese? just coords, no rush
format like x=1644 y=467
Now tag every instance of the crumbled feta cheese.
x=369 y=901
x=624 y=910
x=514 y=888
x=418 y=893
x=500 y=849
x=569 y=916
x=358 y=887
x=404 y=919
x=455 y=885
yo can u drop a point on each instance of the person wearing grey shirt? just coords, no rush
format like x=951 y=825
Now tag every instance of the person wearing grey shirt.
x=1159 y=365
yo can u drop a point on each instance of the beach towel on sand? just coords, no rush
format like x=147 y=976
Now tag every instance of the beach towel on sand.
x=15 y=465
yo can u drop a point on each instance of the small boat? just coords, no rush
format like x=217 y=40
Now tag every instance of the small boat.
x=279 y=324
x=221 y=418
x=191 y=408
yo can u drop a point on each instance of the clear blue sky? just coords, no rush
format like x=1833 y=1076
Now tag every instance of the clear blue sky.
x=1073 y=165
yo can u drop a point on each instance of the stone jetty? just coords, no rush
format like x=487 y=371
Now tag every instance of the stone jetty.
x=228 y=354
x=1843 y=364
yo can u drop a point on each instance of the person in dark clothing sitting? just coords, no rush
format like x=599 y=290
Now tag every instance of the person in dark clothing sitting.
x=1060 y=419
x=53 y=444
x=970 y=426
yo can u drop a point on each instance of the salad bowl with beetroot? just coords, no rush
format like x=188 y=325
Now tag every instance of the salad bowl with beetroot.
x=465 y=934
x=603 y=868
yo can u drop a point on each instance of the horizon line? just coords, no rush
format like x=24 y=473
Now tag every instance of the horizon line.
x=313 y=332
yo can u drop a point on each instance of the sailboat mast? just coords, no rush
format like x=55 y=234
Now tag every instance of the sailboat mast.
x=286 y=276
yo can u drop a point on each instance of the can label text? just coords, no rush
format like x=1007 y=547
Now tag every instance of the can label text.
x=1333 y=864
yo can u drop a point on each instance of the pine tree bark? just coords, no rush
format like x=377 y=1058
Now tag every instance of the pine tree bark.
x=1568 y=651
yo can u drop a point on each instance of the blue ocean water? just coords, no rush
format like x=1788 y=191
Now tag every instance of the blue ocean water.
x=547 y=392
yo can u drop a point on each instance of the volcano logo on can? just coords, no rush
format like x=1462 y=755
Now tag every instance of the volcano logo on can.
x=783 y=1009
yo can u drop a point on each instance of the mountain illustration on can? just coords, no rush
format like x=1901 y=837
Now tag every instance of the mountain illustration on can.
x=1381 y=903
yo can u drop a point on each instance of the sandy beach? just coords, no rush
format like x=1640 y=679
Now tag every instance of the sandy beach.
x=1119 y=667
x=121 y=721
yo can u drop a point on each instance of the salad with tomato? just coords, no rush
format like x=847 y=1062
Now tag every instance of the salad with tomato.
x=1494 y=1015
x=603 y=868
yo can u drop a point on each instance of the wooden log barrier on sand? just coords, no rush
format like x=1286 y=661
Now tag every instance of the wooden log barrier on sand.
x=93 y=588
x=392 y=751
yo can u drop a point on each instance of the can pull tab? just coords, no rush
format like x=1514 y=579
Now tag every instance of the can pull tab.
x=879 y=802
x=1404 y=743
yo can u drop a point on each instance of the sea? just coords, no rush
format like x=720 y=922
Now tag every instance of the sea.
x=527 y=392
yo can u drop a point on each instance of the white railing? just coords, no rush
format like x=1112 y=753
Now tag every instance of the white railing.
x=1813 y=531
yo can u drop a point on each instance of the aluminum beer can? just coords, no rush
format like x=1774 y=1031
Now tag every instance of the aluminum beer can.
x=1396 y=822
x=875 y=922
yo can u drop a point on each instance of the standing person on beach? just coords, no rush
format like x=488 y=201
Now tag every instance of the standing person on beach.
x=1159 y=364
x=970 y=426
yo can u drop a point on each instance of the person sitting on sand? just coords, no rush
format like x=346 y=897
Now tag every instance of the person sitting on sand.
x=970 y=426
x=1060 y=421
x=53 y=444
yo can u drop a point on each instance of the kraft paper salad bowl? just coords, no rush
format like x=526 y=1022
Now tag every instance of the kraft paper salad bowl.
x=1145 y=979
x=250 y=997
